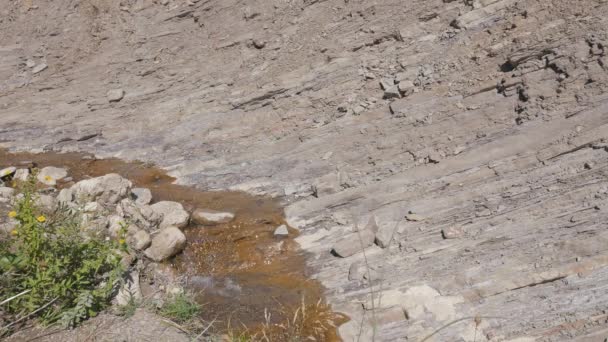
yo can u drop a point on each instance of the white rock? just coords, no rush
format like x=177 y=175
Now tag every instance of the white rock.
x=65 y=196
x=452 y=233
x=115 y=224
x=281 y=231
x=50 y=175
x=166 y=244
x=211 y=217
x=115 y=95
x=22 y=175
x=108 y=189
x=414 y=217
x=142 y=196
x=354 y=243
x=7 y=171
x=173 y=214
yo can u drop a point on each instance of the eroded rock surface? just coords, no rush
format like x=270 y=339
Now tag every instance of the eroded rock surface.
x=492 y=128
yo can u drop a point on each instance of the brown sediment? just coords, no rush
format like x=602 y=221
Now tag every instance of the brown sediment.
x=239 y=269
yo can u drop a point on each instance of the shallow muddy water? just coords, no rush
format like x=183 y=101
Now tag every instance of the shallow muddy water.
x=238 y=269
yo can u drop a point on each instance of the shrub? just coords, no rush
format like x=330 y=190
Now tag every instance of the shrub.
x=54 y=269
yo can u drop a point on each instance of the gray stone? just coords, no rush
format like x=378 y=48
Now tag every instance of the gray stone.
x=50 y=175
x=173 y=214
x=21 y=175
x=452 y=233
x=92 y=207
x=6 y=192
x=40 y=67
x=259 y=44
x=108 y=189
x=115 y=95
x=46 y=203
x=387 y=83
x=281 y=231
x=142 y=215
x=353 y=243
x=166 y=244
x=414 y=217
x=140 y=240
x=7 y=171
x=391 y=93
x=385 y=234
x=406 y=88
x=211 y=217
x=65 y=196
x=142 y=196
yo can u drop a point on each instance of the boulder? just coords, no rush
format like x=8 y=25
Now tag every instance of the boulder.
x=141 y=196
x=108 y=189
x=211 y=217
x=166 y=244
x=173 y=214
x=50 y=175
x=140 y=240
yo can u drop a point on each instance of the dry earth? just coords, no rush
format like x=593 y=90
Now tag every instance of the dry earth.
x=496 y=135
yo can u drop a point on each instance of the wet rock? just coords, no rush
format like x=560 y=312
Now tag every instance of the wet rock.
x=115 y=95
x=21 y=175
x=354 y=243
x=211 y=217
x=142 y=196
x=50 y=175
x=281 y=231
x=166 y=244
x=141 y=215
x=452 y=233
x=173 y=214
x=7 y=171
x=140 y=240
x=108 y=189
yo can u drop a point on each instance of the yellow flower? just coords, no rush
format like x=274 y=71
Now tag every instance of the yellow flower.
x=121 y=241
x=14 y=232
x=12 y=214
x=48 y=178
x=41 y=218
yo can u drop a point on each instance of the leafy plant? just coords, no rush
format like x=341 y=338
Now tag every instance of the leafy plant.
x=59 y=273
x=180 y=308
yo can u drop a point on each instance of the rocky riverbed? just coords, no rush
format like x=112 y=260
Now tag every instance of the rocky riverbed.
x=240 y=263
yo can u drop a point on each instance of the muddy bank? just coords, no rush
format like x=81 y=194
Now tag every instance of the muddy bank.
x=238 y=270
